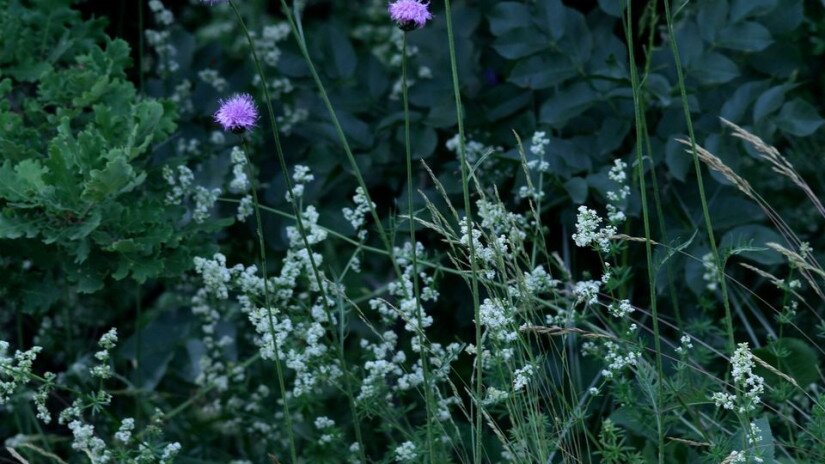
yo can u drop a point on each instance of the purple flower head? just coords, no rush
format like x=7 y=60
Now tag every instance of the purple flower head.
x=410 y=14
x=237 y=114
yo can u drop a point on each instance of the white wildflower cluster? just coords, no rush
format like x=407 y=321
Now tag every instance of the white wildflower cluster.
x=42 y=395
x=180 y=184
x=587 y=292
x=617 y=198
x=357 y=216
x=183 y=188
x=188 y=147
x=589 y=231
x=86 y=442
x=538 y=149
x=387 y=368
x=107 y=342
x=266 y=43
x=407 y=308
x=749 y=386
x=314 y=233
x=495 y=396
x=685 y=344
x=169 y=452
x=182 y=97
x=497 y=221
x=385 y=362
x=498 y=247
x=15 y=371
x=300 y=342
x=240 y=182
x=711 y=275
x=406 y=452
x=161 y=40
x=621 y=309
x=618 y=359
x=473 y=150
x=124 y=432
x=497 y=318
x=290 y=117
x=213 y=78
x=539 y=281
x=301 y=176
x=523 y=376
x=246 y=208
x=326 y=426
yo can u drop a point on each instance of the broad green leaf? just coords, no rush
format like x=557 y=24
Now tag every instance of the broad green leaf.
x=747 y=36
x=714 y=68
x=540 y=72
x=792 y=357
x=770 y=101
x=509 y=16
x=799 y=118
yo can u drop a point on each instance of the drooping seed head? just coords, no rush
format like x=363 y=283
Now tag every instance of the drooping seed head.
x=409 y=14
x=237 y=114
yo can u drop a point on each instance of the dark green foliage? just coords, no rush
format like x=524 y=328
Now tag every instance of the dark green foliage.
x=81 y=202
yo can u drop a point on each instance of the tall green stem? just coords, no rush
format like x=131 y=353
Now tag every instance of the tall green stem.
x=416 y=290
x=268 y=302
x=477 y=446
x=298 y=217
x=723 y=286
x=634 y=78
x=299 y=38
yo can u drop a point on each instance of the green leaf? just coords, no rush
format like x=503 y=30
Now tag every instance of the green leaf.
x=22 y=182
x=799 y=118
x=715 y=68
x=612 y=7
x=552 y=18
x=743 y=8
x=577 y=189
x=770 y=101
x=541 y=72
x=118 y=175
x=749 y=241
x=792 y=357
x=520 y=43
x=567 y=103
x=711 y=18
x=747 y=36
x=508 y=16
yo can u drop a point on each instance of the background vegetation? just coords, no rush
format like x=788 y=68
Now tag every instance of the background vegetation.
x=117 y=189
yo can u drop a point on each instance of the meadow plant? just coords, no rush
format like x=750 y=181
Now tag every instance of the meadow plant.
x=542 y=279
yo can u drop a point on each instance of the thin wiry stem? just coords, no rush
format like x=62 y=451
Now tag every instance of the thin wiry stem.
x=414 y=260
x=468 y=215
x=268 y=302
x=634 y=78
x=699 y=182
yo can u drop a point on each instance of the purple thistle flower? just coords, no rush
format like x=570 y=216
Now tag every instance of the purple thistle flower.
x=237 y=114
x=409 y=14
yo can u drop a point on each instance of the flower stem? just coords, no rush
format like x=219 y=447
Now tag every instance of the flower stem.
x=268 y=303
x=699 y=182
x=414 y=260
x=634 y=78
x=477 y=446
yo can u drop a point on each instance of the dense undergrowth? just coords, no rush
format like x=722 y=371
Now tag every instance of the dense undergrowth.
x=515 y=231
